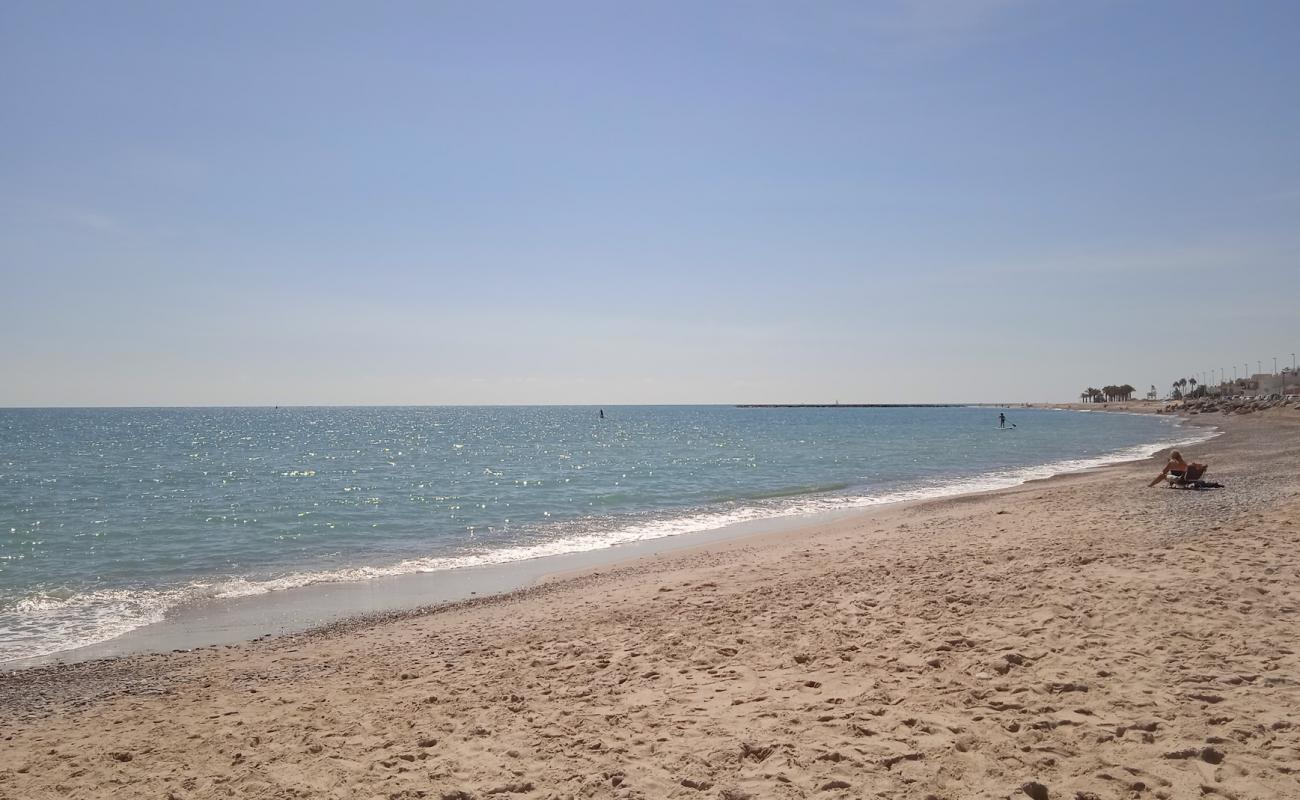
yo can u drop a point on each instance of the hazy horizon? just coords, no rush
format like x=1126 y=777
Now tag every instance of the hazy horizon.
x=921 y=201
x=592 y=406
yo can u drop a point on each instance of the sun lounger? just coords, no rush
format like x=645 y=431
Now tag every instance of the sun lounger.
x=1191 y=479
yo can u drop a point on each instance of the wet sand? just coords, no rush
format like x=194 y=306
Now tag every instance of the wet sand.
x=1078 y=637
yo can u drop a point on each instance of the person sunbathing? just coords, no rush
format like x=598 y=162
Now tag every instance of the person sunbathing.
x=1180 y=470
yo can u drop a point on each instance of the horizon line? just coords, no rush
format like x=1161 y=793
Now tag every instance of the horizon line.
x=534 y=405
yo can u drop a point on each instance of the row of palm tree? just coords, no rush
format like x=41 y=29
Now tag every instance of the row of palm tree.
x=1107 y=394
x=1187 y=388
x=1181 y=389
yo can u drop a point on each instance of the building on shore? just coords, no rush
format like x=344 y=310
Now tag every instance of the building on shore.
x=1284 y=382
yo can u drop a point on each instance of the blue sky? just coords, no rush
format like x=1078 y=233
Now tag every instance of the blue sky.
x=479 y=202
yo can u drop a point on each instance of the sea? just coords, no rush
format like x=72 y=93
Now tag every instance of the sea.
x=112 y=519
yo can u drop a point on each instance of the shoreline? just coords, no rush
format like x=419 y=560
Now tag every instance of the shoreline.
x=538 y=572
x=221 y=621
x=1080 y=632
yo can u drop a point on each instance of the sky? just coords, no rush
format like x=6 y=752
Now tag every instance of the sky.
x=303 y=203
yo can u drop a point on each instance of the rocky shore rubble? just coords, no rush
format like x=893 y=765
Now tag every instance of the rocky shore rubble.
x=1229 y=405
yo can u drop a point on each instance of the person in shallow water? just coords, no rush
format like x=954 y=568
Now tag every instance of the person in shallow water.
x=1002 y=420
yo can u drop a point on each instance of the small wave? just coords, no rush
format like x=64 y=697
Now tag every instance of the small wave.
x=52 y=622
x=795 y=491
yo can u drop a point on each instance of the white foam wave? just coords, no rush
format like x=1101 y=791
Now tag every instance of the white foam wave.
x=50 y=623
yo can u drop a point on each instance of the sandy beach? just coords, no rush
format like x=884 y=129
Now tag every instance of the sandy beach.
x=1081 y=637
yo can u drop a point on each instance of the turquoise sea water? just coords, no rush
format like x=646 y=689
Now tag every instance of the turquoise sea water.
x=111 y=517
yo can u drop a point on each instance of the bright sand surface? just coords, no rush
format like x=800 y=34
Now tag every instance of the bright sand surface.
x=1073 y=638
